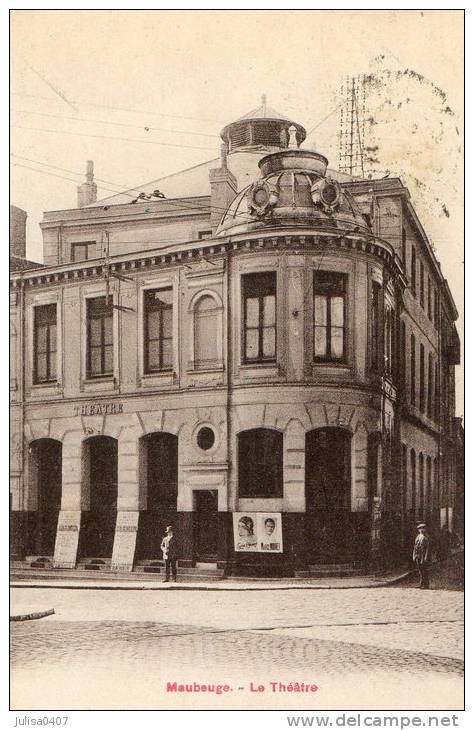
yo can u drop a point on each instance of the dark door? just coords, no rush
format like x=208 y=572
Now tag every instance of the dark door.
x=98 y=528
x=49 y=464
x=205 y=526
x=329 y=523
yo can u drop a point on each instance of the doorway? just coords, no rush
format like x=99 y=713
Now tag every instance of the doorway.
x=205 y=526
x=330 y=526
x=98 y=525
x=46 y=469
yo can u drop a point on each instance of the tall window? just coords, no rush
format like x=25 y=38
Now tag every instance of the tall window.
x=403 y=479
x=158 y=324
x=329 y=316
x=259 y=305
x=389 y=342
x=436 y=501
x=100 y=356
x=422 y=378
x=403 y=354
x=430 y=385
x=260 y=459
x=421 y=479
x=404 y=249
x=413 y=270
x=45 y=328
x=413 y=480
x=436 y=393
x=429 y=487
x=375 y=325
x=422 y=284
x=430 y=307
x=82 y=251
x=413 y=370
x=205 y=332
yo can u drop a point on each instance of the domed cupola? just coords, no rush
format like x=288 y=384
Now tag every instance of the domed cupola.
x=293 y=190
x=262 y=127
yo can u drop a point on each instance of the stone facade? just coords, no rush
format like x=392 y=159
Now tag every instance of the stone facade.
x=109 y=425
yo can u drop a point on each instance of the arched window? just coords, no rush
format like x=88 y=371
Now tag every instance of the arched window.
x=260 y=459
x=206 y=314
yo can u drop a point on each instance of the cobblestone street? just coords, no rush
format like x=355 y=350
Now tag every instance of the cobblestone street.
x=364 y=648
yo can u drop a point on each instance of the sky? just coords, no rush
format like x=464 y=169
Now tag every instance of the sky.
x=146 y=93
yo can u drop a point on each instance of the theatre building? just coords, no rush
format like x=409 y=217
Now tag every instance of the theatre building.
x=263 y=358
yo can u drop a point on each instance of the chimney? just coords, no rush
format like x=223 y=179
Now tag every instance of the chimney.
x=223 y=189
x=87 y=192
x=18 y=231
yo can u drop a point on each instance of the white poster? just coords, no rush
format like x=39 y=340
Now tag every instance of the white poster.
x=258 y=532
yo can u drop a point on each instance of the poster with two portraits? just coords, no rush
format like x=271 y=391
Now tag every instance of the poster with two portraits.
x=258 y=532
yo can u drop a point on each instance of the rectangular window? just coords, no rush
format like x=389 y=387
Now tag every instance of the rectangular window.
x=413 y=370
x=422 y=378
x=45 y=331
x=203 y=235
x=413 y=270
x=422 y=284
x=430 y=385
x=329 y=290
x=430 y=307
x=100 y=354
x=259 y=315
x=403 y=354
x=375 y=325
x=82 y=251
x=404 y=249
x=158 y=335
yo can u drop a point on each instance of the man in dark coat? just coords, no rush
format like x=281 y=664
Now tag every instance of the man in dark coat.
x=170 y=553
x=421 y=550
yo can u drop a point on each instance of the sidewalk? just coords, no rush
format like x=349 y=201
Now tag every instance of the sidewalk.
x=227 y=584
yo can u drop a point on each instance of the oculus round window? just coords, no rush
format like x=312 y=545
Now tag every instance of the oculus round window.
x=260 y=196
x=205 y=438
x=329 y=194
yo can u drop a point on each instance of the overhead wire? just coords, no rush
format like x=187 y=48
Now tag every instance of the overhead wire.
x=179 y=205
x=145 y=127
x=125 y=109
x=114 y=139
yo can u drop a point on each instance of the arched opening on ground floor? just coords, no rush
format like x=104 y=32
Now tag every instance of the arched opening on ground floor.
x=334 y=534
x=159 y=480
x=45 y=468
x=100 y=480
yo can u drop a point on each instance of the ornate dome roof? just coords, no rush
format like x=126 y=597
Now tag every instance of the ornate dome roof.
x=293 y=190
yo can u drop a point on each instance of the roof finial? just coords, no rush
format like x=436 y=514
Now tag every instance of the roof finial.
x=264 y=104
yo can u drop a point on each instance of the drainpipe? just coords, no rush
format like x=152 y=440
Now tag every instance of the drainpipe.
x=22 y=350
x=229 y=378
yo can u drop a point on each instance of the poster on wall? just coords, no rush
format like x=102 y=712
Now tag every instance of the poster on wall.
x=258 y=532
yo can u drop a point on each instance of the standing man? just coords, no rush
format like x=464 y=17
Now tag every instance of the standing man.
x=421 y=551
x=170 y=553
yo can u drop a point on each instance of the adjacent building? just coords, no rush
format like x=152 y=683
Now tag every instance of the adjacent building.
x=258 y=350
